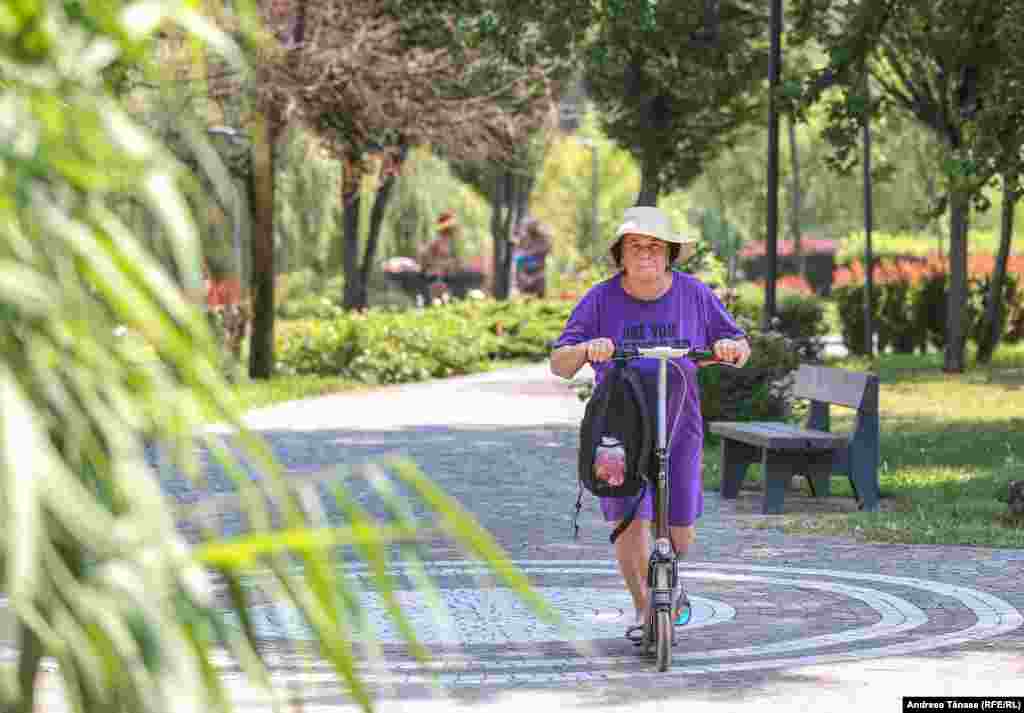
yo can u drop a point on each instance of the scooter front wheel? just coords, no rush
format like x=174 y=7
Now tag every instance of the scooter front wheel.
x=663 y=639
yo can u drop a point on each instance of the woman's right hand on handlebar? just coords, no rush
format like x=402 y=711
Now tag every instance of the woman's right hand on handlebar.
x=600 y=349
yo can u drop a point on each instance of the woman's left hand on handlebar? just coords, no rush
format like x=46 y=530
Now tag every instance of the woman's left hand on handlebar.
x=732 y=351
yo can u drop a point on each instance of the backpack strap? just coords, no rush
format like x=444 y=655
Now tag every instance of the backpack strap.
x=599 y=412
x=646 y=422
x=628 y=520
x=576 y=515
x=647 y=439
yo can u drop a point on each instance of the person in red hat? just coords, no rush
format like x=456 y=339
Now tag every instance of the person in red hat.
x=437 y=258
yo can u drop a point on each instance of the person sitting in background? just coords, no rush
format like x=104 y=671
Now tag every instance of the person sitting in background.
x=532 y=248
x=438 y=256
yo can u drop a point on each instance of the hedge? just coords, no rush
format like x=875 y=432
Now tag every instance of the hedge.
x=909 y=299
x=382 y=346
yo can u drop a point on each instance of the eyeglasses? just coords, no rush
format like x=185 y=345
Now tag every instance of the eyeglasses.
x=655 y=247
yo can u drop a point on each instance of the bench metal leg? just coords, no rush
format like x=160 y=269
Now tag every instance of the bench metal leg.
x=736 y=458
x=819 y=474
x=864 y=476
x=777 y=470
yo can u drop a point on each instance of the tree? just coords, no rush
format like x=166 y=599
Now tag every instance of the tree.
x=869 y=219
x=992 y=319
x=379 y=76
x=105 y=355
x=674 y=81
x=507 y=185
x=937 y=62
x=1000 y=108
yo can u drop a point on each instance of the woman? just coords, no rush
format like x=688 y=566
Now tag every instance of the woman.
x=532 y=250
x=646 y=304
x=438 y=258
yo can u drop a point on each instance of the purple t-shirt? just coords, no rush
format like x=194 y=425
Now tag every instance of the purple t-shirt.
x=689 y=311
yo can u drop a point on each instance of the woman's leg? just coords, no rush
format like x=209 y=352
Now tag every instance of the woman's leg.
x=633 y=550
x=682 y=538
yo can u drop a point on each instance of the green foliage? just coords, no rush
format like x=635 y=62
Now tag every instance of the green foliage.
x=107 y=360
x=799 y=318
x=427 y=188
x=917 y=243
x=306 y=204
x=912 y=316
x=759 y=391
x=670 y=97
x=563 y=194
x=1011 y=314
x=850 y=303
x=385 y=347
x=723 y=237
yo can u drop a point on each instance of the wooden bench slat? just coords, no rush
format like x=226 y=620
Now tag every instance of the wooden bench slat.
x=834 y=386
x=781 y=436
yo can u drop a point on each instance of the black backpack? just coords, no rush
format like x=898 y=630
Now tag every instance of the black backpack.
x=618 y=408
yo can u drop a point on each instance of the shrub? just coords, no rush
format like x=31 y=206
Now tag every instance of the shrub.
x=896 y=318
x=801 y=319
x=850 y=305
x=800 y=316
x=910 y=302
x=387 y=346
x=761 y=390
x=929 y=310
x=1012 y=316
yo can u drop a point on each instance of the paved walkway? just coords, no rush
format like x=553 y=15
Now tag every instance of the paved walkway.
x=781 y=622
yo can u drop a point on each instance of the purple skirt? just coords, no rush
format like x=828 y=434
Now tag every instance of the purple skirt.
x=685 y=481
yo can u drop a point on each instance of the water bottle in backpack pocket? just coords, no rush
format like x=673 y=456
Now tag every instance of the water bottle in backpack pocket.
x=616 y=442
x=610 y=461
x=616 y=438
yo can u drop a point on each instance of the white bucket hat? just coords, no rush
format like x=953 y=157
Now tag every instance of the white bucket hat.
x=649 y=221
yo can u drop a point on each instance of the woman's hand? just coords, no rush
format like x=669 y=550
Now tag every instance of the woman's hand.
x=732 y=351
x=600 y=349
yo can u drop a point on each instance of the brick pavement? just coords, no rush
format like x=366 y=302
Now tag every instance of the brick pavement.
x=782 y=622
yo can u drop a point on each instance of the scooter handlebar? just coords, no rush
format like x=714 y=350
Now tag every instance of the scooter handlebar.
x=673 y=351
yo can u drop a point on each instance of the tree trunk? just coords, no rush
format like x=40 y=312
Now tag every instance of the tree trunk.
x=351 y=202
x=796 y=204
x=993 y=320
x=380 y=204
x=956 y=302
x=265 y=131
x=650 y=185
x=503 y=208
x=869 y=257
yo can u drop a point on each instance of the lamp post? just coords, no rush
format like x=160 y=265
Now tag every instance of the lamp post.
x=771 y=239
x=594 y=188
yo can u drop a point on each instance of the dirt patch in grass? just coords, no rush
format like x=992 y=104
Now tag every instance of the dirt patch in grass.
x=802 y=512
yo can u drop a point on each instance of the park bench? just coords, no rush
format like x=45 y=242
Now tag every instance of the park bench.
x=785 y=450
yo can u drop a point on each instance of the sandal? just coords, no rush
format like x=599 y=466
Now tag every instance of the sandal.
x=682 y=609
x=636 y=634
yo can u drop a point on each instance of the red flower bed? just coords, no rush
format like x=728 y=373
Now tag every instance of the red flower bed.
x=808 y=246
x=220 y=293
x=790 y=283
x=913 y=270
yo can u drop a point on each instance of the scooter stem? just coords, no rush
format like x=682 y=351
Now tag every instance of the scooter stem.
x=662 y=401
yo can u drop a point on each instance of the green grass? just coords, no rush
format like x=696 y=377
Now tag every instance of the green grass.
x=263 y=393
x=981 y=241
x=950 y=446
